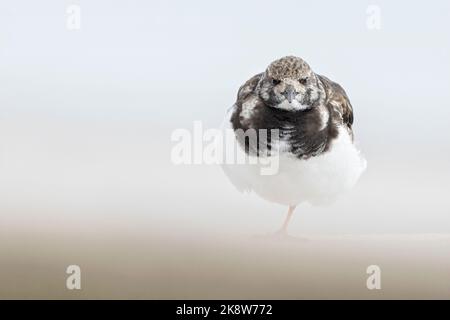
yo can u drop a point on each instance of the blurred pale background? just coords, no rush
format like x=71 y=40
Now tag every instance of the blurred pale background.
x=85 y=123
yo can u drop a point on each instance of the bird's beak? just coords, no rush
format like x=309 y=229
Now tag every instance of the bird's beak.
x=290 y=93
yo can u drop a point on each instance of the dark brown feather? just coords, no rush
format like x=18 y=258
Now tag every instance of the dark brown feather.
x=338 y=101
x=304 y=128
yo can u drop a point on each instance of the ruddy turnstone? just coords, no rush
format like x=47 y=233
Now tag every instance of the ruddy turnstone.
x=317 y=159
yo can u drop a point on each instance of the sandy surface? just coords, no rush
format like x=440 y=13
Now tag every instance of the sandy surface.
x=161 y=264
x=140 y=227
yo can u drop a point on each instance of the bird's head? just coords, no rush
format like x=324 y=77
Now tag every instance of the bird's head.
x=290 y=84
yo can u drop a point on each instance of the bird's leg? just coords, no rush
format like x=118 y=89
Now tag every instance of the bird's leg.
x=290 y=212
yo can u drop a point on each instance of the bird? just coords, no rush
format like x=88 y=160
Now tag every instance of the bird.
x=315 y=151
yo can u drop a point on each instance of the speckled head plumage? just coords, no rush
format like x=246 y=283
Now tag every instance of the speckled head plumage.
x=290 y=84
x=289 y=67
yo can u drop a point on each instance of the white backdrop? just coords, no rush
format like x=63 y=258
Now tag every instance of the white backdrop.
x=86 y=115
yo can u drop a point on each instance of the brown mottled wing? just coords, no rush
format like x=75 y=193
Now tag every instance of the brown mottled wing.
x=339 y=102
x=237 y=174
x=248 y=87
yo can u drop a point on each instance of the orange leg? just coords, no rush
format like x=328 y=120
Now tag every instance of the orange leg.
x=290 y=212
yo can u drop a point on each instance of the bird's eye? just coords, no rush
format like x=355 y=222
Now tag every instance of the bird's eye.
x=303 y=81
x=275 y=81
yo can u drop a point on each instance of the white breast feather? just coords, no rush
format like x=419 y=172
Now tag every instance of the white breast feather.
x=317 y=180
